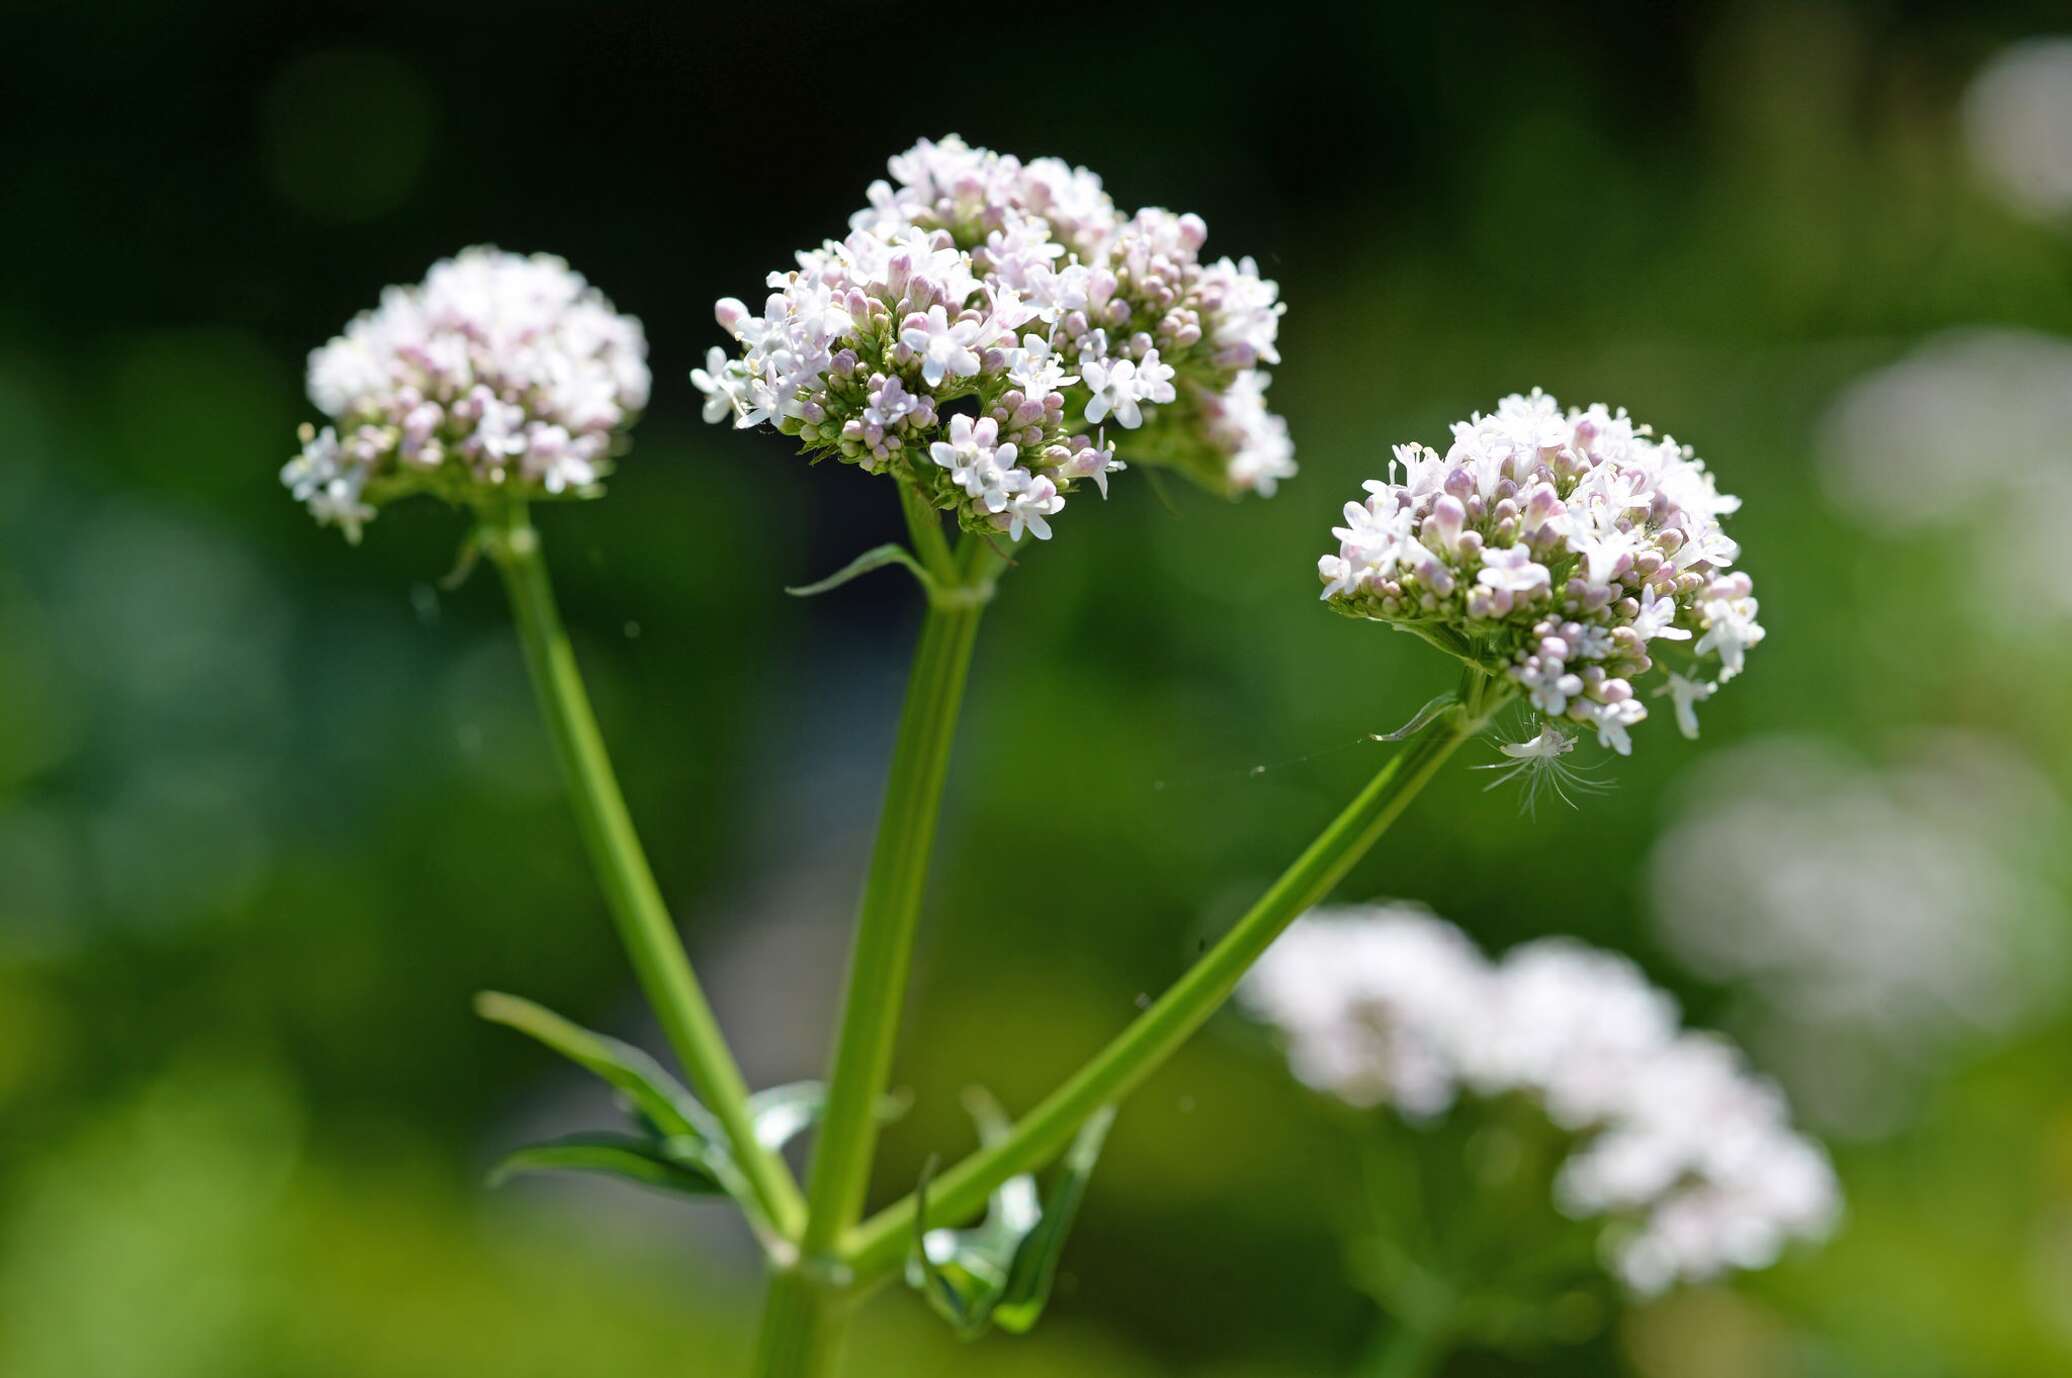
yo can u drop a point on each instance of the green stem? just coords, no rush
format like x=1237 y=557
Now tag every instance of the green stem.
x=877 y=1246
x=636 y=905
x=803 y=1321
x=891 y=905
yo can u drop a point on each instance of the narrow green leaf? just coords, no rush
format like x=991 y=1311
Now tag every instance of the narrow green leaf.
x=891 y=553
x=1001 y=1271
x=955 y=1300
x=1036 y=1262
x=613 y=1155
x=1421 y=719
x=657 y=1096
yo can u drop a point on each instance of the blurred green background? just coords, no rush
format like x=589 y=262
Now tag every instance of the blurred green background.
x=272 y=808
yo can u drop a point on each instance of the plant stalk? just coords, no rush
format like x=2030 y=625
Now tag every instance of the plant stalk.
x=889 y=911
x=878 y=1245
x=805 y=1313
x=803 y=1323
x=635 y=902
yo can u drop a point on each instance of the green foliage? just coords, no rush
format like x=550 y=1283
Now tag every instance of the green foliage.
x=649 y=1162
x=1000 y=1271
x=657 y=1099
x=676 y=1144
x=1461 y=1238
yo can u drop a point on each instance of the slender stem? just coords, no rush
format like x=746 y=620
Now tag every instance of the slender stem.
x=880 y=1242
x=891 y=904
x=635 y=902
x=924 y=526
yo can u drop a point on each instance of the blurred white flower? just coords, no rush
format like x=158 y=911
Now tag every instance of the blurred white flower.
x=1969 y=436
x=498 y=372
x=2018 y=123
x=1692 y=1157
x=1872 y=916
x=1570 y=552
x=1020 y=286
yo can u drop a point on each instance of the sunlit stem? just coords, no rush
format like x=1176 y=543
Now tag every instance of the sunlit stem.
x=804 y=1319
x=644 y=926
x=878 y=1245
x=806 y=1309
x=891 y=904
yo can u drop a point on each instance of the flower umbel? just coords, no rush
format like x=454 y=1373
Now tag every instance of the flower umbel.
x=1691 y=1156
x=1564 y=552
x=1019 y=293
x=498 y=373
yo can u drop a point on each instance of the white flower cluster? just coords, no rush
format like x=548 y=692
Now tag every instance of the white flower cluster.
x=499 y=372
x=1692 y=1156
x=1871 y=916
x=2015 y=117
x=1919 y=448
x=1561 y=550
x=1019 y=290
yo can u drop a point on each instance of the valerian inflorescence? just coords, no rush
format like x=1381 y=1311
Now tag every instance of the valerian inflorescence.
x=1691 y=1156
x=1567 y=554
x=983 y=325
x=500 y=373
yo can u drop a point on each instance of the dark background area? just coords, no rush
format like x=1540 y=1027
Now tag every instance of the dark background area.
x=272 y=808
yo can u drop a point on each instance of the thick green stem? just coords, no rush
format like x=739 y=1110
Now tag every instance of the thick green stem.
x=806 y=1311
x=891 y=904
x=636 y=906
x=878 y=1245
x=803 y=1323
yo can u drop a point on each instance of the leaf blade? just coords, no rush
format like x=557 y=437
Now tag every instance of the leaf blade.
x=877 y=557
x=612 y=1155
x=659 y=1097
x=1035 y=1268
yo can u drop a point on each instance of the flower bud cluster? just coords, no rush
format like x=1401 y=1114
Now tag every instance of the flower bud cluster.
x=500 y=372
x=1691 y=1156
x=1562 y=551
x=982 y=324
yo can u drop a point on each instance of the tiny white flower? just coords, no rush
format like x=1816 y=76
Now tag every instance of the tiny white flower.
x=1154 y=381
x=1730 y=629
x=1538 y=763
x=1037 y=370
x=1657 y=617
x=1114 y=386
x=945 y=348
x=721 y=382
x=1611 y=721
x=1686 y=695
x=1512 y=570
x=1029 y=502
x=977 y=462
x=890 y=403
